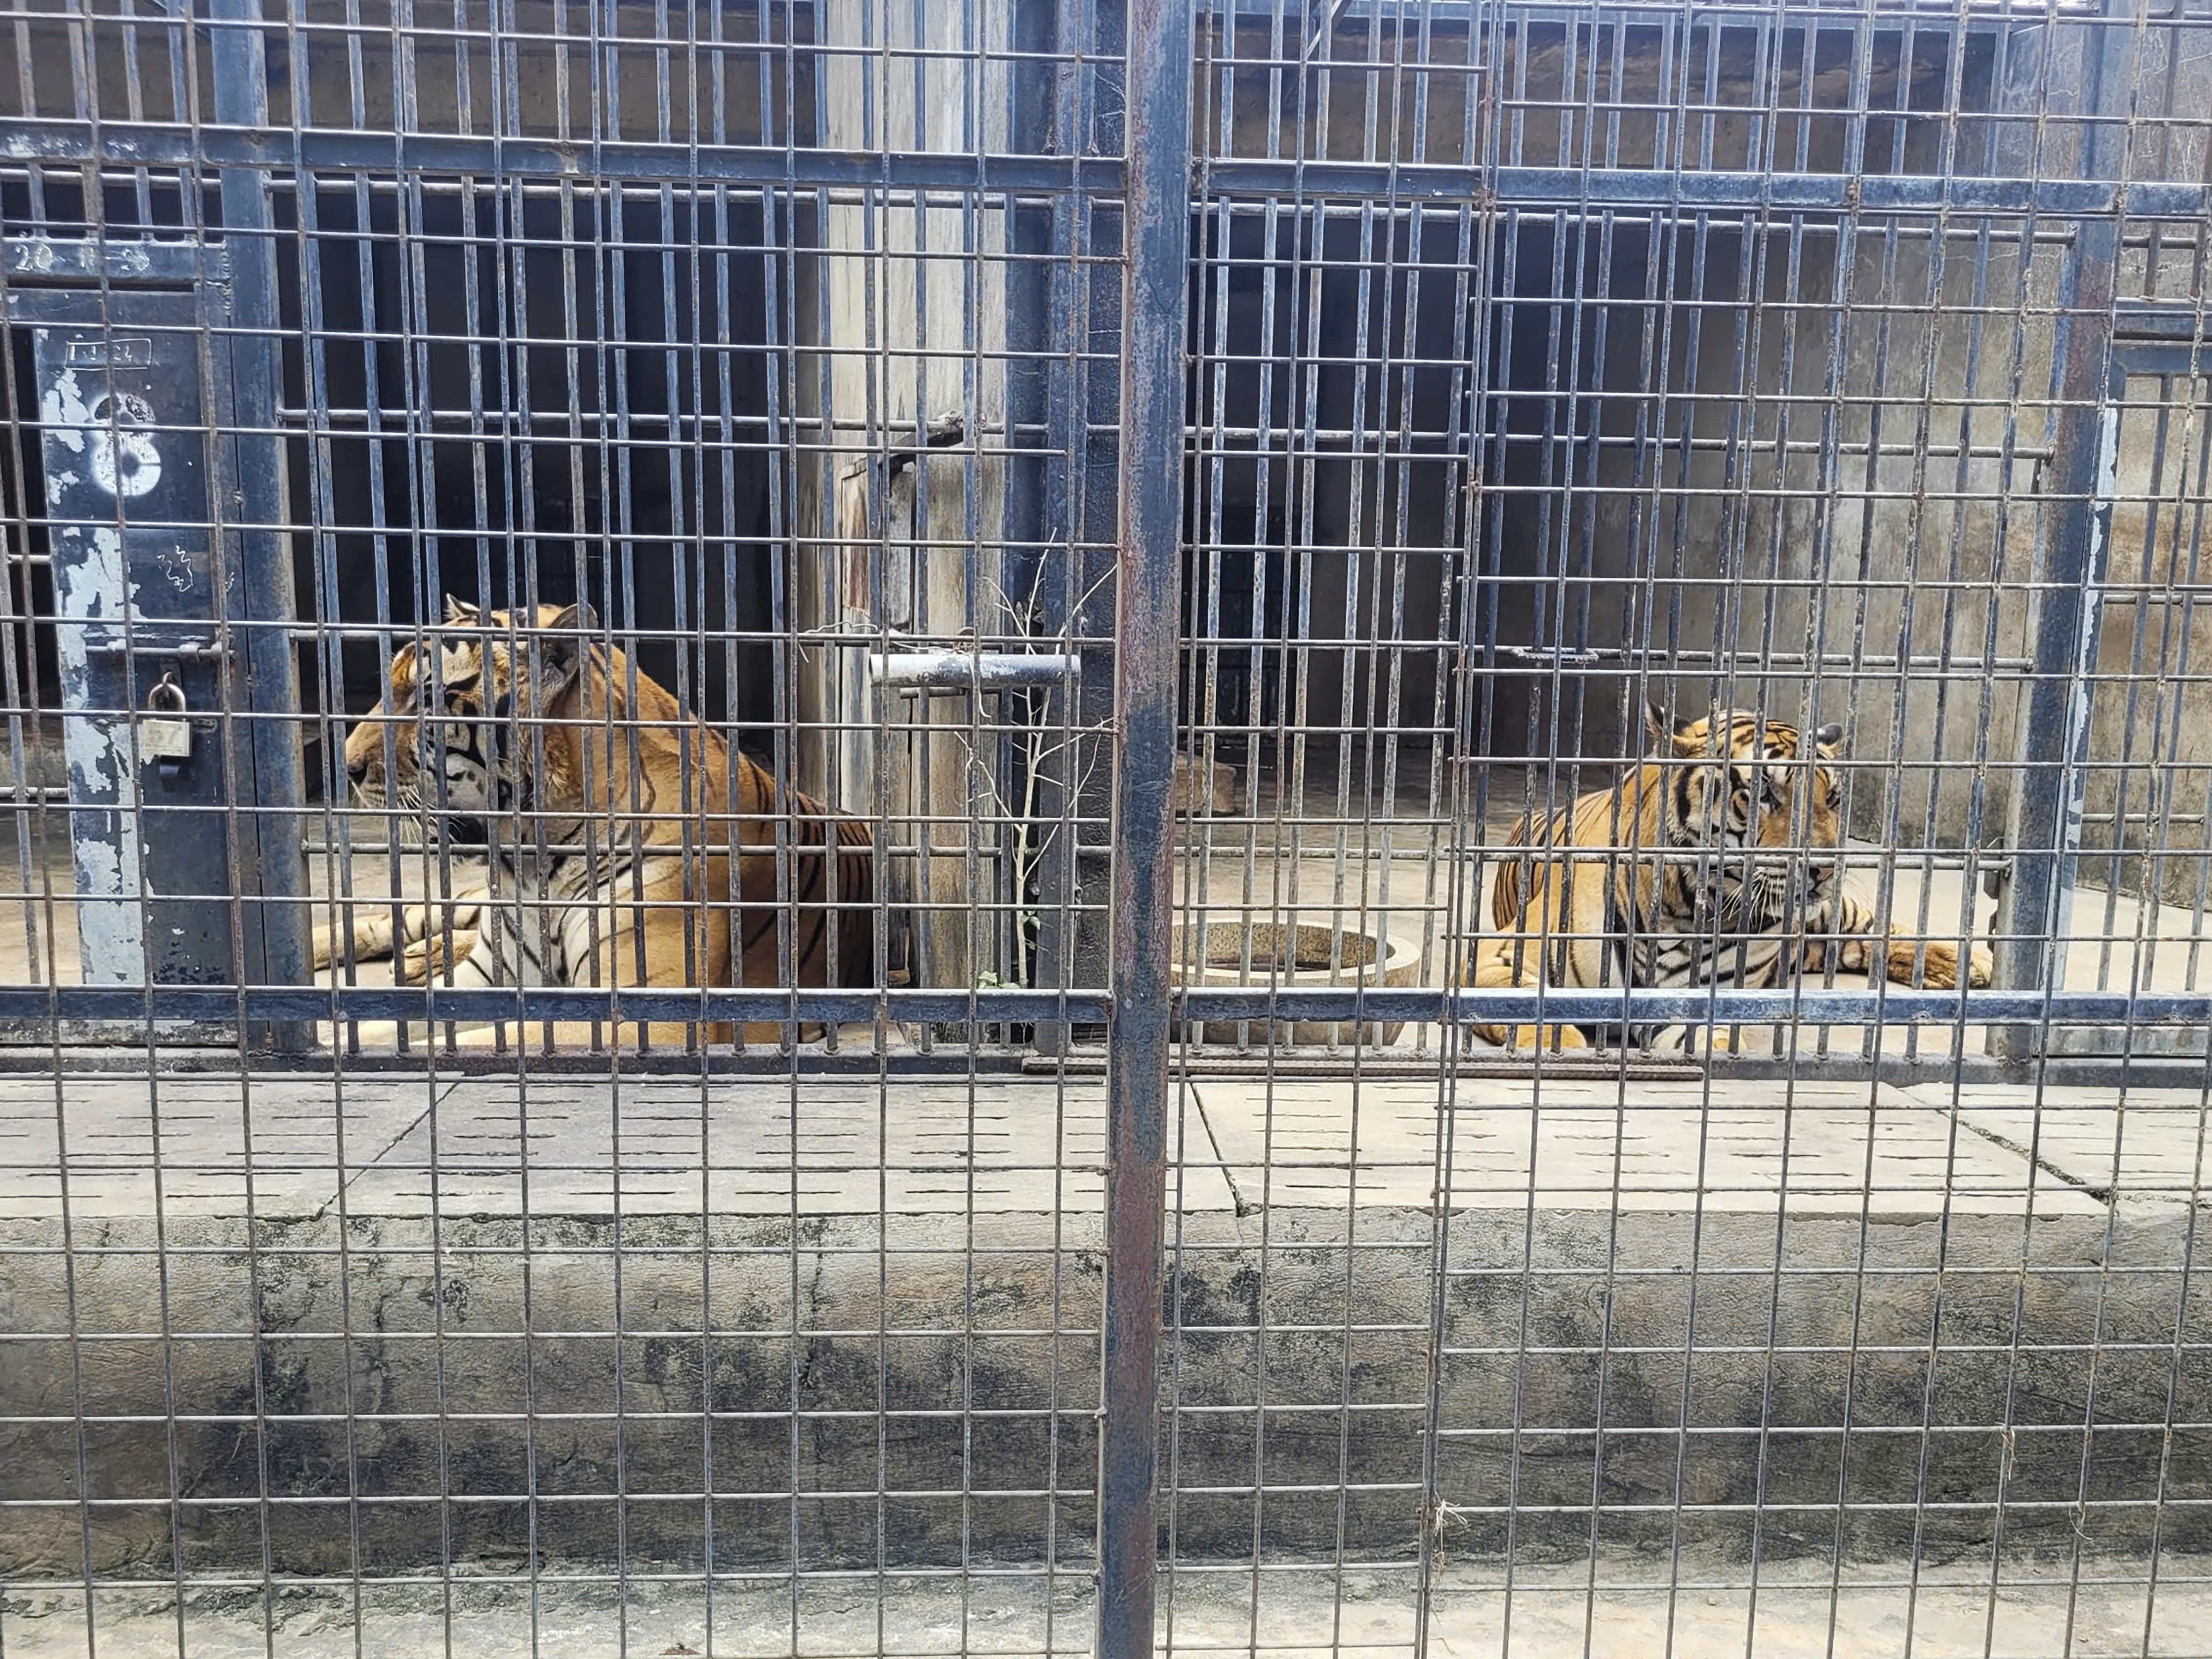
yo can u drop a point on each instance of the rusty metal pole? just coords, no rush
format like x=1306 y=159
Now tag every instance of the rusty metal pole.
x=1155 y=248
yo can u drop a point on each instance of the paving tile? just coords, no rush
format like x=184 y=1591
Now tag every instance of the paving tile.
x=930 y=1148
x=215 y=1143
x=833 y=1147
x=1642 y=1145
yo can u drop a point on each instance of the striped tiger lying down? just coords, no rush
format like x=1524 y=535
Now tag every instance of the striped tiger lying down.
x=1688 y=881
x=582 y=900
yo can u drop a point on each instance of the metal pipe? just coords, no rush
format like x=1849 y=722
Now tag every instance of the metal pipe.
x=118 y=144
x=966 y=671
x=1896 y=1005
x=1155 y=299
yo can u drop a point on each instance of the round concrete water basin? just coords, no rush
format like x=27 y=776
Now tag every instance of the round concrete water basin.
x=1304 y=957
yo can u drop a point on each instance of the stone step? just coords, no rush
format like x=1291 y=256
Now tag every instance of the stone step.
x=873 y=1337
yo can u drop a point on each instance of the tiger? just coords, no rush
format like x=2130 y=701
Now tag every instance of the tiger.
x=532 y=744
x=1690 y=880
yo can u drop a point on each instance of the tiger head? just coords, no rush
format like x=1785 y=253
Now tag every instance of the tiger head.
x=1755 y=792
x=439 y=743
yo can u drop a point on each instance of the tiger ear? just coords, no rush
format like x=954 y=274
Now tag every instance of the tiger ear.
x=1668 y=738
x=459 y=611
x=1828 y=736
x=460 y=664
x=561 y=649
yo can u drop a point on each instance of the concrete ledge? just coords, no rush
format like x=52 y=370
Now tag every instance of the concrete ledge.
x=1714 y=1317
x=1618 y=1606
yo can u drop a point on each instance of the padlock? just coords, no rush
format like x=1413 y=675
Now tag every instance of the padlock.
x=164 y=732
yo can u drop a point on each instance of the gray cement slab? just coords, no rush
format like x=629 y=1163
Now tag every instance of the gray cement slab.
x=1817 y=1148
x=203 y=1146
x=821 y=1147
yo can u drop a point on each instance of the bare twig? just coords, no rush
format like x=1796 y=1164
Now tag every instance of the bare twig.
x=1032 y=750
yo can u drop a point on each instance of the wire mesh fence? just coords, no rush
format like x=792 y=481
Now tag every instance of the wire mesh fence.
x=837 y=827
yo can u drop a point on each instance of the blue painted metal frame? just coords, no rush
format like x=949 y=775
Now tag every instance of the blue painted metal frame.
x=251 y=495
x=118 y=144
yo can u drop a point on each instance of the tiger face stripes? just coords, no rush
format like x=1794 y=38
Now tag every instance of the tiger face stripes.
x=628 y=844
x=1713 y=863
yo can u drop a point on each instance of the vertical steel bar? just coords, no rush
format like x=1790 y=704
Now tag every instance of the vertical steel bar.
x=2047 y=821
x=1155 y=234
x=261 y=512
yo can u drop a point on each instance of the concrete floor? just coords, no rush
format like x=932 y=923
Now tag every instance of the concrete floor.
x=1400 y=879
x=293 y=1146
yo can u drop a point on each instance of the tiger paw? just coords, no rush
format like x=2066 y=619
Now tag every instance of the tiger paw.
x=1545 y=1036
x=1940 y=971
x=426 y=957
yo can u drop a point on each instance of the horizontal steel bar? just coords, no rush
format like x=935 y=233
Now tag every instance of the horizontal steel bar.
x=538 y=1004
x=1928 y=19
x=127 y=144
x=1809 y=1006
x=137 y=144
x=1591 y=656
x=29 y=1052
x=1935 y=1064
x=959 y=670
x=2176 y=321
x=152 y=638
x=1651 y=187
x=123 y=1052
x=1646 y=1005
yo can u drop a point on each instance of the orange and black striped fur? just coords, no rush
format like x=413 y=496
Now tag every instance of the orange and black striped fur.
x=629 y=844
x=1712 y=863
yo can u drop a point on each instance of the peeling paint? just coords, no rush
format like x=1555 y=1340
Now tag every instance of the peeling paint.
x=65 y=414
x=125 y=460
x=103 y=785
x=96 y=589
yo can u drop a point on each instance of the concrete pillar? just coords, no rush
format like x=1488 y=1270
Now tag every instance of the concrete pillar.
x=908 y=324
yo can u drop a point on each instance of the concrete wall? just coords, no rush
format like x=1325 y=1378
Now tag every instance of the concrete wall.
x=1710 y=436
x=1822 y=508
x=2150 y=740
x=363 y=1385
x=1384 y=542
